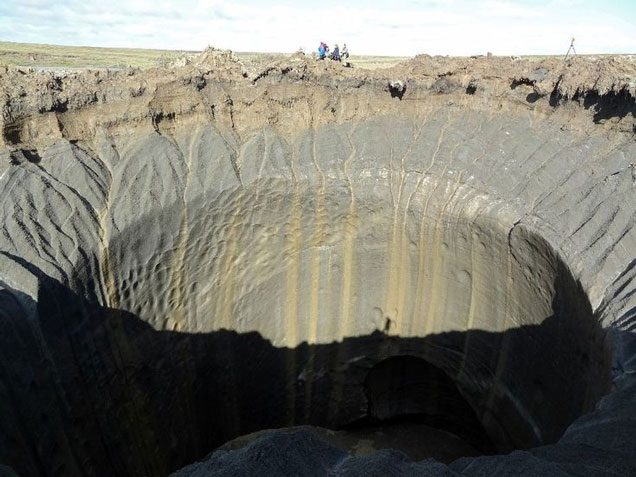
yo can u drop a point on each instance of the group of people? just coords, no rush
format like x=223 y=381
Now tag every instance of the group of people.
x=336 y=54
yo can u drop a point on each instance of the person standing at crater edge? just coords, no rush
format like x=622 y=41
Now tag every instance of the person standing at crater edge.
x=335 y=55
x=322 y=50
x=344 y=54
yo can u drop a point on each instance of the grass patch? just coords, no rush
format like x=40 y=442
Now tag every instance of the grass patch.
x=57 y=56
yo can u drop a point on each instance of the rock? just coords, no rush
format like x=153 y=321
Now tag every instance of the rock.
x=397 y=88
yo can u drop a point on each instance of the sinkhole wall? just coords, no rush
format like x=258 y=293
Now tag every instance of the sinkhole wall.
x=327 y=264
x=214 y=258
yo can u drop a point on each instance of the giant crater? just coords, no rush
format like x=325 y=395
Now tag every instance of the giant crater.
x=193 y=256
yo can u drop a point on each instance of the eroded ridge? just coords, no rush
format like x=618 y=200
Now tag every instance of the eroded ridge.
x=194 y=254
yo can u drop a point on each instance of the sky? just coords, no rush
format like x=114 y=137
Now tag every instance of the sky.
x=390 y=27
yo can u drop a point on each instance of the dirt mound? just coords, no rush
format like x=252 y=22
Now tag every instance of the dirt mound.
x=603 y=86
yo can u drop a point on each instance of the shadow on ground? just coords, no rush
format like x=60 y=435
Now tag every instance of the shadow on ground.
x=88 y=390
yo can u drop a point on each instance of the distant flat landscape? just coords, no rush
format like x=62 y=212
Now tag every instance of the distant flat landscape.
x=57 y=56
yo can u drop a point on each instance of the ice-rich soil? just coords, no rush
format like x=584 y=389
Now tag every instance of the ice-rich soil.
x=438 y=258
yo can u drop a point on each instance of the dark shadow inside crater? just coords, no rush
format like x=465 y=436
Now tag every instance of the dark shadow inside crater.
x=88 y=390
x=610 y=105
x=404 y=388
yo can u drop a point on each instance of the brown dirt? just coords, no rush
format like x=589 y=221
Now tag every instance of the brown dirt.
x=291 y=93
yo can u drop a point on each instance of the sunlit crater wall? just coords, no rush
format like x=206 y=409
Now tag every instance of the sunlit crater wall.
x=202 y=283
x=339 y=235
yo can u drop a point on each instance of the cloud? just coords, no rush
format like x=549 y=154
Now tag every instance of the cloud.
x=400 y=27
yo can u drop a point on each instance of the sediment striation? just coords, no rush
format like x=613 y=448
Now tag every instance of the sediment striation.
x=193 y=254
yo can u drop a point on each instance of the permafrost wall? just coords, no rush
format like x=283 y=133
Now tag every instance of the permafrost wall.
x=195 y=254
